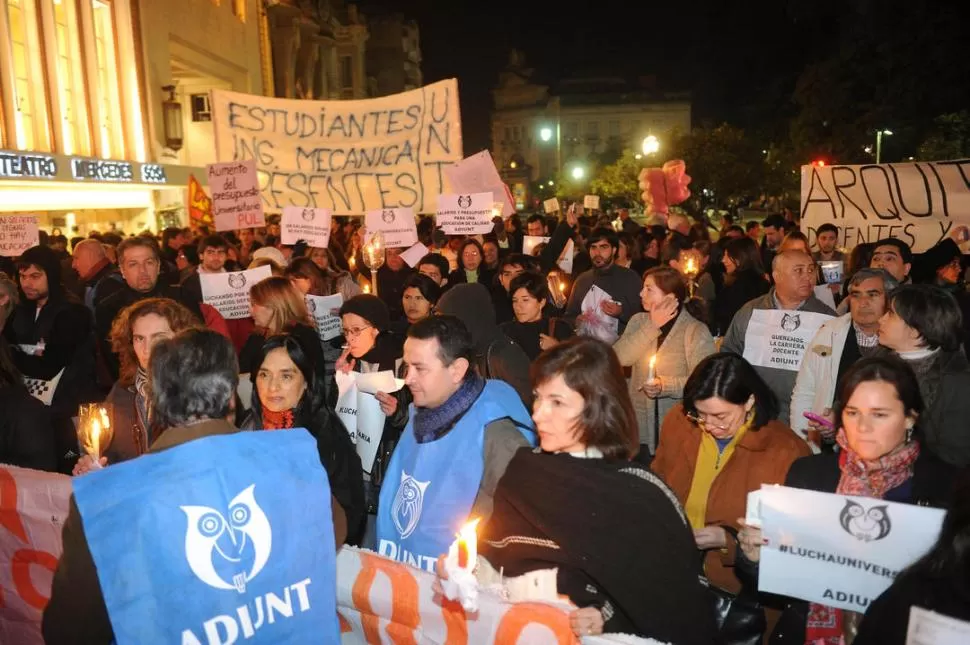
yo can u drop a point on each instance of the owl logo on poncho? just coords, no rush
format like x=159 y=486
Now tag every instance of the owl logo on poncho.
x=408 y=502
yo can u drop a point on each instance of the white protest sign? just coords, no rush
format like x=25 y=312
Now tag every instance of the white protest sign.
x=235 y=195
x=824 y=293
x=551 y=205
x=777 y=338
x=361 y=412
x=591 y=201
x=414 y=254
x=594 y=321
x=565 y=261
x=468 y=214
x=348 y=156
x=17 y=234
x=311 y=225
x=931 y=628
x=321 y=308
x=229 y=292
x=837 y=550
x=920 y=203
x=398 y=225
x=476 y=174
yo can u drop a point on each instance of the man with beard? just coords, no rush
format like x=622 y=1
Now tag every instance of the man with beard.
x=622 y=284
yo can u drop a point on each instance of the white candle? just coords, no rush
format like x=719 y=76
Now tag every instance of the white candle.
x=653 y=362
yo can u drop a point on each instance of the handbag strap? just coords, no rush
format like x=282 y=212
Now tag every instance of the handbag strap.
x=552 y=327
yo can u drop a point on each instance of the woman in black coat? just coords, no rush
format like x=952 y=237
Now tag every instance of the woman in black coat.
x=877 y=406
x=744 y=280
x=287 y=393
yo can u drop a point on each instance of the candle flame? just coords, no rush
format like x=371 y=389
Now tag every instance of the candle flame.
x=366 y=288
x=96 y=434
x=653 y=361
x=691 y=267
x=468 y=544
x=562 y=286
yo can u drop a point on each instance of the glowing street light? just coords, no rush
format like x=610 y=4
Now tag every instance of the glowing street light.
x=879 y=134
x=545 y=134
x=578 y=172
x=651 y=144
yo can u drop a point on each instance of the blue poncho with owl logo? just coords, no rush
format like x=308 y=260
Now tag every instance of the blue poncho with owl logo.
x=223 y=539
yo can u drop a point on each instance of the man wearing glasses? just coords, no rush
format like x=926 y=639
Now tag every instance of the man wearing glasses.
x=838 y=344
x=777 y=355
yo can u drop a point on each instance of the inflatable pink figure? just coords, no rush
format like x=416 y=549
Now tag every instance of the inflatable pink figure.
x=664 y=187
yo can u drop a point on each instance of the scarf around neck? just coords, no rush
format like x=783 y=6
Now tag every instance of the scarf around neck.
x=141 y=408
x=432 y=423
x=277 y=420
x=864 y=479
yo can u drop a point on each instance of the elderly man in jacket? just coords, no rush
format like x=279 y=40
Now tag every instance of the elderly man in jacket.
x=773 y=330
x=838 y=344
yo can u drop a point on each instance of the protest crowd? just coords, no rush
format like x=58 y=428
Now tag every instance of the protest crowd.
x=606 y=397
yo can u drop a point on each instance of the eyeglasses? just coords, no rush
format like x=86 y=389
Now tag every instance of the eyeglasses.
x=697 y=420
x=354 y=333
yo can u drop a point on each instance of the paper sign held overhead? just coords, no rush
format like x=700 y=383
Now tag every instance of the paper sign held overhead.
x=349 y=156
x=414 y=254
x=919 y=203
x=398 y=225
x=311 y=225
x=235 y=195
x=551 y=205
x=476 y=174
x=229 y=292
x=591 y=201
x=469 y=214
x=17 y=234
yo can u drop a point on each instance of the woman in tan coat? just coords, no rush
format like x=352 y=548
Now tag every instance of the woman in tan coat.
x=719 y=445
x=678 y=340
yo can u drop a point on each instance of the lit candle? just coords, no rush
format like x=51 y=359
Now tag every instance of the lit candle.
x=366 y=288
x=653 y=362
x=691 y=267
x=353 y=263
x=562 y=287
x=468 y=546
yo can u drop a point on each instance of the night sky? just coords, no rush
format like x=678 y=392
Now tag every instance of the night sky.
x=738 y=60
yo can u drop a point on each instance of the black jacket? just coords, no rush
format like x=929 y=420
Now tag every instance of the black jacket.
x=746 y=286
x=931 y=485
x=26 y=431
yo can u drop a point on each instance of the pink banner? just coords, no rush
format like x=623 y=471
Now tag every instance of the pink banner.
x=33 y=507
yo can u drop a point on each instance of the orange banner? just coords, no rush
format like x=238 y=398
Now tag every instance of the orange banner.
x=200 y=206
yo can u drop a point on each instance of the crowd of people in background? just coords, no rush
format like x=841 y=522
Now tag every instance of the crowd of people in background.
x=612 y=445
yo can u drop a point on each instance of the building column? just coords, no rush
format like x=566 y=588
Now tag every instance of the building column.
x=7 y=81
x=284 y=22
x=307 y=56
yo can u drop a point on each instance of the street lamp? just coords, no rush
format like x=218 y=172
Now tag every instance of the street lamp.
x=545 y=133
x=650 y=145
x=879 y=134
x=578 y=172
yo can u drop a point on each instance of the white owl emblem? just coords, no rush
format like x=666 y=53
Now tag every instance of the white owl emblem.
x=406 y=510
x=228 y=553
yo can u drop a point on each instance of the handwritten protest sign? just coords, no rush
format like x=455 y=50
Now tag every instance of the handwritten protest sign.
x=465 y=214
x=398 y=225
x=591 y=201
x=229 y=292
x=33 y=507
x=321 y=308
x=348 y=156
x=777 y=338
x=551 y=205
x=235 y=195
x=380 y=600
x=476 y=174
x=17 y=234
x=838 y=550
x=919 y=203
x=309 y=224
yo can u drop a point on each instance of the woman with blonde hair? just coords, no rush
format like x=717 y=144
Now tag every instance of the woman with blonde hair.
x=278 y=307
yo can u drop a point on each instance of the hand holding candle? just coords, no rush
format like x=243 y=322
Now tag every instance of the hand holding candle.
x=94 y=431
